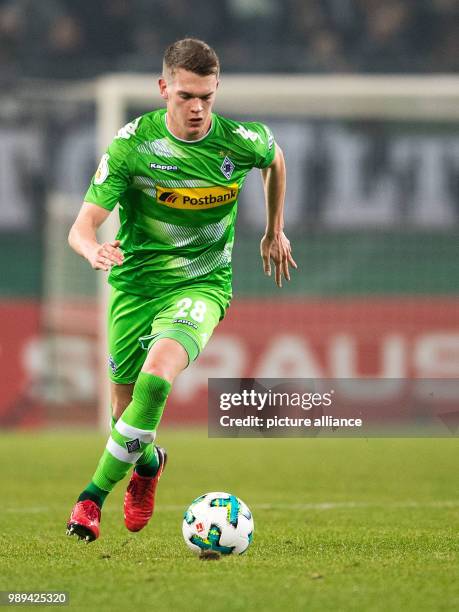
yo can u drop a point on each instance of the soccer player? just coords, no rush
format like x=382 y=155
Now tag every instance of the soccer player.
x=176 y=174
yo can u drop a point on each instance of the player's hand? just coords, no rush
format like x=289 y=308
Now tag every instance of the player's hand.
x=105 y=256
x=277 y=247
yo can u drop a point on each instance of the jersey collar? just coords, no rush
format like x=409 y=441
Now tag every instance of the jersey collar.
x=190 y=142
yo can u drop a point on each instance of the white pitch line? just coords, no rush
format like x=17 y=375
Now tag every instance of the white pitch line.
x=335 y=505
x=266 y=506
x=355 y=504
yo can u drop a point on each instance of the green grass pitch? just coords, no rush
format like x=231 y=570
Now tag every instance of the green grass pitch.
x=339 y=525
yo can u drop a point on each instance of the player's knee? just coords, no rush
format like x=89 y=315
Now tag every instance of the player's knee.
x=166 y=358
x=160 y=370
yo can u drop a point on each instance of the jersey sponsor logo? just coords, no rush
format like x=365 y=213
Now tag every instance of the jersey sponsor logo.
x=102 y=170
x=168 y=197
x=129 y=129
x=196 y=198
x=154 y=166
x=227 y=168
x=247 y=134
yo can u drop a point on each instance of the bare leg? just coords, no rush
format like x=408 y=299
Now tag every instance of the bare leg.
x=121 y=396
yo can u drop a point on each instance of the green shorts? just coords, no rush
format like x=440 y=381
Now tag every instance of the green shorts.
x=135 y=323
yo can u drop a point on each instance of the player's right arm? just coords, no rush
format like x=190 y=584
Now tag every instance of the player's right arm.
x=107 y=185
x=83 y=238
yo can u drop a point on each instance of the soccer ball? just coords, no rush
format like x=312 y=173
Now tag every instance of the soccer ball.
x=218 y=521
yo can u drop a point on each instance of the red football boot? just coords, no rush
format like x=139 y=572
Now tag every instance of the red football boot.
x=84 y=521
x=139 y=500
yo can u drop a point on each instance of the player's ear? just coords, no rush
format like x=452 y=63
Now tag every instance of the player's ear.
x=163 y=88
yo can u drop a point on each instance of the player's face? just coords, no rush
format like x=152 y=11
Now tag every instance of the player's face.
x=189 y=98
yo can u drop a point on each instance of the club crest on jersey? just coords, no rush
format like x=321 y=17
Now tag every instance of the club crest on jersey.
x=227 y=167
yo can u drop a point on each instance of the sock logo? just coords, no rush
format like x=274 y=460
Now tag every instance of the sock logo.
x=133 y=445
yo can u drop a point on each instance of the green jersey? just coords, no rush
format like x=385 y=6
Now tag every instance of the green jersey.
x=178 y=200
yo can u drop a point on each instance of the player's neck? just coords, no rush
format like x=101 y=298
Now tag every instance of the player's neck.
x=183 y=135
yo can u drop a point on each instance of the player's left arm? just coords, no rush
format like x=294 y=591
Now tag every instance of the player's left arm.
x=275 y=245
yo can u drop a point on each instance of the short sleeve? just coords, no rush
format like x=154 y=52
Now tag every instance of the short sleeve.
x=112 y=176
x=262 y=140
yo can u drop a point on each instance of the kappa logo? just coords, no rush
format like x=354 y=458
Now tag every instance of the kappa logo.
x=168 y=196
x=129 y=129
x=133 y=445
x=166 y=167
x=247 y=134
x=185 y=322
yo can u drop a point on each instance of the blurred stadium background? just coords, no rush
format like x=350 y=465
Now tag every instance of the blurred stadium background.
x=372 y=202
